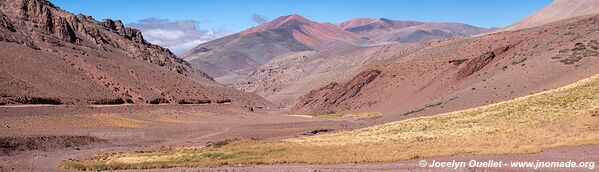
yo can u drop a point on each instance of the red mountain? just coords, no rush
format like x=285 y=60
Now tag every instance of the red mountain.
x=355 y=22
x=245 y=51
x=309 y=33
x=249 y=49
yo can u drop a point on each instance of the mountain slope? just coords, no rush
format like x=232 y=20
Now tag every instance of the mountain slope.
x=557 y=10
x=312 y=34
x=378 y=31
x=284 y=79
x=373 y=27
x=290 y=76
x=245 y=51
x=53 y=56
x=355 y=22
x=465 y=73
x=253 y=47
x=236 y=53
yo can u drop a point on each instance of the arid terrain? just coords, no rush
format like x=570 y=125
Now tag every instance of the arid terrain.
x=292 y=94
x=245 y=51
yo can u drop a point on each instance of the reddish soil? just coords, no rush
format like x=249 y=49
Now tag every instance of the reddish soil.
x=73 y=87
x=51 y=56
x=32 y=140
x=470 y=72
x=242 y=53
x=342 y=93
x=41 y=147
x=309 y=33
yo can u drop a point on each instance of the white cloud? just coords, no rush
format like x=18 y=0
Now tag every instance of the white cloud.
x=259 y=19
x=157 y=34
x=187 y=45
x=178 y=36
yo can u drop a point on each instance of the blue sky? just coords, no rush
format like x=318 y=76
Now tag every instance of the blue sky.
x=216 y=18
x=236 y=15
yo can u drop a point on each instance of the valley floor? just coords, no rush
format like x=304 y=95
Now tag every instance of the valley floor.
x=37 y=137
x=559 y=125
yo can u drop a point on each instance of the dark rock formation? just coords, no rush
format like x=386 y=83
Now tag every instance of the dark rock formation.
x=328 y=98
x=478 y=63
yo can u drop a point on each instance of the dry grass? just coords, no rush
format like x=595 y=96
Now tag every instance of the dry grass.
x=46 y=123
x=563 y=117
x=112 y=120
x=39 y=124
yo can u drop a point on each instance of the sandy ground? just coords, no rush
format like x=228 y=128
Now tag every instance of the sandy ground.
x=200 y=125
x=138 y=127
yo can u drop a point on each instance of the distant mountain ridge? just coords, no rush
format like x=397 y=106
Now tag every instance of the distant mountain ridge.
x=307 y=32
x=249 y=49
x=382 y=30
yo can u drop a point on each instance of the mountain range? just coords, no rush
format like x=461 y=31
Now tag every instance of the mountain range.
x=256 y=46
x=429 y=77
x=78 y=93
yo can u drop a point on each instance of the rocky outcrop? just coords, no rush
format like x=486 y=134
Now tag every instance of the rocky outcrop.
x=5 y=23
x=328 y=99
x=45 y=21
x=51 y=56
x=118 y=27
x=478 y=63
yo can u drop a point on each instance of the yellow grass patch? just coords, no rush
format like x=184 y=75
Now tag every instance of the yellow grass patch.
x=165 y=116
x=39 y=124
x=562 y=117
x=112 y=120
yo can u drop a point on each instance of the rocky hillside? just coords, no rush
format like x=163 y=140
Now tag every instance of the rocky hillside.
x=465 y=73
x=53 y=56
x=41 y=21
x=292 y=75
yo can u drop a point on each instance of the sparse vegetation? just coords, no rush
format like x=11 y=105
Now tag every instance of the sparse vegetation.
x=107 y=101
x=579 y=52
x=561 y=117
x=38 y=100
x=10 y=144
x=194 y=101
x=158 y=101
x=40 y=124
x=224 y=101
